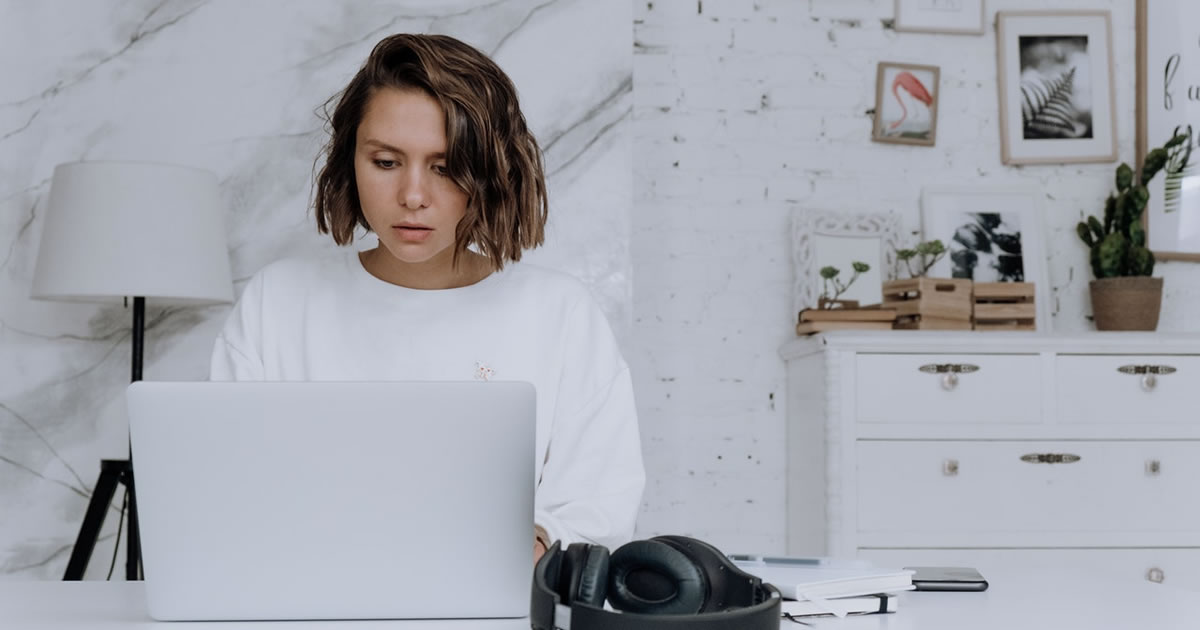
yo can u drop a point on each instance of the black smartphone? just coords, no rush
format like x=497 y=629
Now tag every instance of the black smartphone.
x=947 y=579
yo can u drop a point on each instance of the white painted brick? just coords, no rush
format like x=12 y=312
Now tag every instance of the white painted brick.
x=656 y=96
x=658 y=11
x=723 y=97
x=718 y=177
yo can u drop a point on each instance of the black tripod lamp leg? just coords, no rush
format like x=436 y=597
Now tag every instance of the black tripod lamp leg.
x=102 y=496
x=133 y=546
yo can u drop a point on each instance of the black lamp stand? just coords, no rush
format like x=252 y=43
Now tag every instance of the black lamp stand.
x=113 y=472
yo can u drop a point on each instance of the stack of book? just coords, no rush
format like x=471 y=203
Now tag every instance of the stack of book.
x=814 y=320
x=824 y=586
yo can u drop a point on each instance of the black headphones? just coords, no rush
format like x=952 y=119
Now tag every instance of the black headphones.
x=664 y=583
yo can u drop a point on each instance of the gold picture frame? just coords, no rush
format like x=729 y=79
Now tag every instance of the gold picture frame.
x=906 y=103
x=956 y=17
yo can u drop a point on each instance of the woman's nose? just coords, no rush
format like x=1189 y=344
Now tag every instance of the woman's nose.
x=413 y=193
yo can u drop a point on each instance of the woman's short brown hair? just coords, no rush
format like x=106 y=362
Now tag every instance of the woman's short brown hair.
x=490 y=153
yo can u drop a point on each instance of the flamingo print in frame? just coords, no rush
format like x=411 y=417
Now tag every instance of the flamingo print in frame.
x=906 y=104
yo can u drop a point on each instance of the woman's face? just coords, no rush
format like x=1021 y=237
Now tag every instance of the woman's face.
x=400 y=168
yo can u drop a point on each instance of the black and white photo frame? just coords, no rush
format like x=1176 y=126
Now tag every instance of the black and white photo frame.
x=1057 y=99
x=992 y=235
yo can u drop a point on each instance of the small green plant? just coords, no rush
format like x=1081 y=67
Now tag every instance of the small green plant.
x=925 y=255
x=829 y=280
x=1118 y=243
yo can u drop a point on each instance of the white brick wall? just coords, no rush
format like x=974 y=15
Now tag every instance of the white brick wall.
x=744 y=110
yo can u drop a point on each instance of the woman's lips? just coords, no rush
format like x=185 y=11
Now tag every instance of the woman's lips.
x=412 y=233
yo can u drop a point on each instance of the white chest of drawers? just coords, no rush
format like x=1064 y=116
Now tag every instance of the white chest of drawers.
x=915 y=448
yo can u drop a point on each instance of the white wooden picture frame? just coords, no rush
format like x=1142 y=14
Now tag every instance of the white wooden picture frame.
x=821 y=238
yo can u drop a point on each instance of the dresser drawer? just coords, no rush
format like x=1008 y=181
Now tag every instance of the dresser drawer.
x=967 y=388
x=1179 y=568
x=1128 y=389
x=964 y=487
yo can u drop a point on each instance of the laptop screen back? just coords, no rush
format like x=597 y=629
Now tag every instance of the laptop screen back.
x=334 y=500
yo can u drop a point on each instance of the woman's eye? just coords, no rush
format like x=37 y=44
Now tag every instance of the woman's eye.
x=440 y=169
x=385 y=164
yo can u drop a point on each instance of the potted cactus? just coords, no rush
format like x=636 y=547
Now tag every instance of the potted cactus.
x=1124 y=295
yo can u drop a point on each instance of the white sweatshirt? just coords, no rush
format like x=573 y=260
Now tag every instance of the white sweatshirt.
x=328 y=319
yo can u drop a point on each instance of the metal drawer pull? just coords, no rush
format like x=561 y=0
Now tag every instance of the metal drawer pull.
x=1156 y=575
x=1148 y=372
x=953 y=368
x=1146 y=369
x=949 y=372
x=1050 y=458
x=950 y=467
x=1153 y=467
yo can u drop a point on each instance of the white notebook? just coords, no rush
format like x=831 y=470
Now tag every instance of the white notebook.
x=867 y=605
x=827 y=582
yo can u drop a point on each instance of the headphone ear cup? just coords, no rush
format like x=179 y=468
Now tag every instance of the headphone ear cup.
x=651 y=577
x=583 y=577
x=593 y=577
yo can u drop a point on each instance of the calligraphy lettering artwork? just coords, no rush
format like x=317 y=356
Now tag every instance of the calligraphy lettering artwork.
x=1169 y=104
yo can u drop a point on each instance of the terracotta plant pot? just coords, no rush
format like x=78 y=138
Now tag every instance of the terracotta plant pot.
x=1129 y=303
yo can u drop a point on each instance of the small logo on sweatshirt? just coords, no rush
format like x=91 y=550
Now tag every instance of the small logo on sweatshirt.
x=483 y=372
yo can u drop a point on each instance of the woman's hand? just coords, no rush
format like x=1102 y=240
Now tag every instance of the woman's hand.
x=539 y=549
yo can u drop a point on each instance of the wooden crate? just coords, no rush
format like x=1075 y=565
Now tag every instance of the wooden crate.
x=930 y=303
x=1005 y=306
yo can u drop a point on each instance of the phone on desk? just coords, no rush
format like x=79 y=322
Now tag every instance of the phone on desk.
x=947 y=579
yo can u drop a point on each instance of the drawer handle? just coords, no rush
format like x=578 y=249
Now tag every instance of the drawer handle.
x=1050 y=458
x=949 y=372
x=951 y=368
x=1146 y=369
x=950 y=467
x=1149 y=373
x=1153 y=467
x=1156 y=575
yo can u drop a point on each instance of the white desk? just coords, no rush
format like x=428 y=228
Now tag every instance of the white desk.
x=1045 y=600
x=1041 y=600
x=122 y=605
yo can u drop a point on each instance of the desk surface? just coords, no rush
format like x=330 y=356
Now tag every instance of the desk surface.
x=1042 y=601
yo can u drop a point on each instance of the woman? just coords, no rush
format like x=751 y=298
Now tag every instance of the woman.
x=429 y=150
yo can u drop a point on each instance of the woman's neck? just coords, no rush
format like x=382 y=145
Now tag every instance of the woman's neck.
x=429 y=275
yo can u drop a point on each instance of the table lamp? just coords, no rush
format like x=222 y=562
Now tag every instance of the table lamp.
x=115 y=230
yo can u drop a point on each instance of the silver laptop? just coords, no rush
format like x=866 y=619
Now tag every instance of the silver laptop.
x=334 y=500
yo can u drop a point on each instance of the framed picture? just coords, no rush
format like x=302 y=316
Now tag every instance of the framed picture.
x=940 y=16
x=993 y=235
x=822 y=238
x=1168 y=71
x=906 y=104
x=1056 y=87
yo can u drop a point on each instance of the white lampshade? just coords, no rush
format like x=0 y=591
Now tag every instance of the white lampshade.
x=128 y=229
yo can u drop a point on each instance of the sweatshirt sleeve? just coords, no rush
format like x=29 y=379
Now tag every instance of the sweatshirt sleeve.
x=593 y=477
x=237 y=354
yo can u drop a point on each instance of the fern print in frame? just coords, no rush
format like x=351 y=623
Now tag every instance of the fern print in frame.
x=1047 y=110
x=1056 y=89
